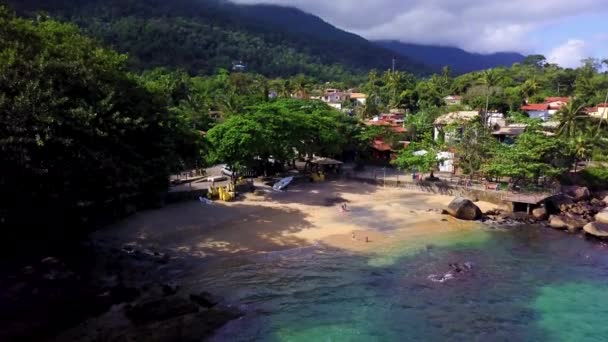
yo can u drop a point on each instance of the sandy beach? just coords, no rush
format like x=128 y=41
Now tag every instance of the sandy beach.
x=306 y=214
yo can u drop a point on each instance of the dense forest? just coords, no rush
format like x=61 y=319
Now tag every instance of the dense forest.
x=203 y=36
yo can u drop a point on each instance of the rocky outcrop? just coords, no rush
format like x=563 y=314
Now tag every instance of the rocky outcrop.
x=605 y=200
x=464 y=209
x=558 y=203
x=602 y=216
x=572 y=223
x=578 y=193
x=597 y=229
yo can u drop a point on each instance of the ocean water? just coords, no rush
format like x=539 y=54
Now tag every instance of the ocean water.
x=527 y=284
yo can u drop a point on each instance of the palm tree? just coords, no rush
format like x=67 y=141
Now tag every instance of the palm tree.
x=530 y=87
x=569 y=119
x=489 y=78
x=301 y=85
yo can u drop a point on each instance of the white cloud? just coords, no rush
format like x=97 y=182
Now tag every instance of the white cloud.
x=569 y=54
x=475 y=25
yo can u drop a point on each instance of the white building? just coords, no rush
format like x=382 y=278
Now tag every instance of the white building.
x=449 y=119
x=537 y=111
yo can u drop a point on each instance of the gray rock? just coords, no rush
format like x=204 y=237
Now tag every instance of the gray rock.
x=464 y=209
x=605 y=200
x=597 y=229
x=559 y=203
x=578 y=193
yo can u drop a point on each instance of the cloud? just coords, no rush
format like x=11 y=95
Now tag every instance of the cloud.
x=475 y=25
x=569 y=54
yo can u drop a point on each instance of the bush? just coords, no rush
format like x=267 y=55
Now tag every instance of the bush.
x=595 y=177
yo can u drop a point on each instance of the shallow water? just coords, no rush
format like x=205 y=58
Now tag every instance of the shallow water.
x=527 y=284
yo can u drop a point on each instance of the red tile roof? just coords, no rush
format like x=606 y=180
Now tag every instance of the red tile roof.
x=380 y=145
x=557 y=99
x=591 y=110
x=535 y=107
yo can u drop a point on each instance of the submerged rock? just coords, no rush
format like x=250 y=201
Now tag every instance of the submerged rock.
x=597 y=229
x=204 y=299
x=159 y=309
x=464 y=209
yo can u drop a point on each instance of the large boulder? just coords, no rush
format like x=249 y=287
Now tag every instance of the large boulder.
x=602 y=216
x=557 y=222
x=464 y=209
x=540 y=213
x=605 y=200
x=574 y=223
x=578 y=193
x=558 y=203
x=597 y=229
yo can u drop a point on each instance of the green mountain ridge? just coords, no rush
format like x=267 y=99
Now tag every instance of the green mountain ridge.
x=203 y=36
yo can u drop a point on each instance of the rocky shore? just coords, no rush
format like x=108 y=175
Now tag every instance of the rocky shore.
x=106 y=293
x=575 y=210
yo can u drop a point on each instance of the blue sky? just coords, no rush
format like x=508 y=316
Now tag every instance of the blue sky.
x=565 y=31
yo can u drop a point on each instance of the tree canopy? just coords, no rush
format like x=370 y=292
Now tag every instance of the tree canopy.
x=82 y=140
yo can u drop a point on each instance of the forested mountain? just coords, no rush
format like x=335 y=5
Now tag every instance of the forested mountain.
x=460 y=61
x=204 y=35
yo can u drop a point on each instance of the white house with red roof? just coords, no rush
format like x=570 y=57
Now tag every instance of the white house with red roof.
x=452 y=100
x=599 y=112
x=547 y=109
x=537 y=111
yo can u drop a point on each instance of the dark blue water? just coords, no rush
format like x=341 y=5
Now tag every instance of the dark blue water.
x=527 y=284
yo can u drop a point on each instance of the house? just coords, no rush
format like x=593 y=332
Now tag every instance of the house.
x=599 y=112
x=450 y=119
x=452 y=100
x=537 y=111
x=360 y=98
x=508 y=133
x=547 y=109
x=335 y=98
x=496 y=119
x=556 y=103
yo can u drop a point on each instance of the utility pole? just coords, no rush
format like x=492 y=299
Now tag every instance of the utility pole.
x=394 y=60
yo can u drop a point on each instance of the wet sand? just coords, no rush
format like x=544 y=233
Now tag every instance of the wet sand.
x=306 y=214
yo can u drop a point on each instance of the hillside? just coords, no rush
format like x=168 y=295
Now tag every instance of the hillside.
x=459 y=60
x=202 y=36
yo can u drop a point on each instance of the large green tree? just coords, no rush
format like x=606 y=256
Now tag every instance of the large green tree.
x=81 y=139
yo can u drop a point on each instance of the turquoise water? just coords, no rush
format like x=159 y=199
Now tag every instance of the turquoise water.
x=527 y=284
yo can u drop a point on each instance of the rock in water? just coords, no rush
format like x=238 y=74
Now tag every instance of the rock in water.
x=539 y=213
x=557 y=222
x=602 y=216
x=464 y=209
x=574 y=223
x=152 y=310
x=597 y=229
x=204 y=299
